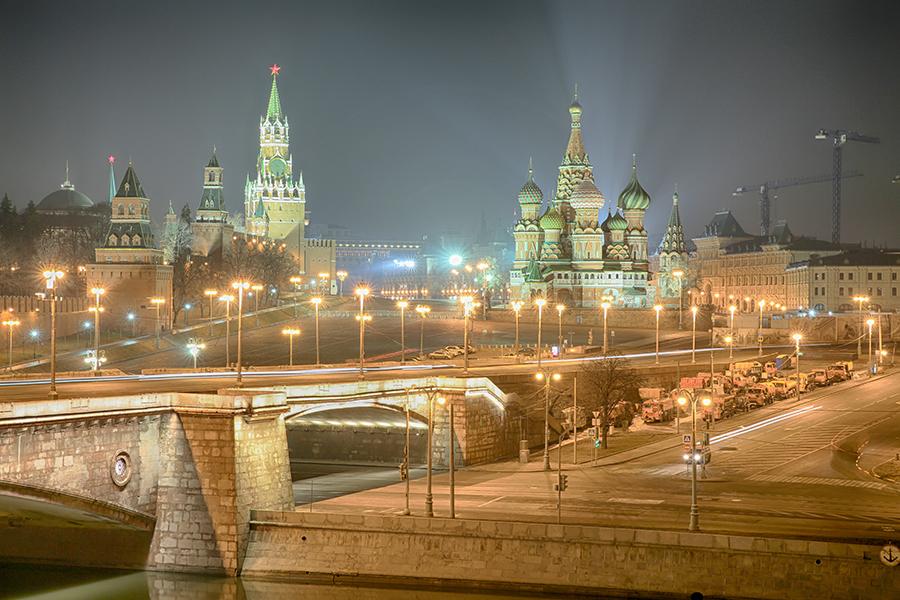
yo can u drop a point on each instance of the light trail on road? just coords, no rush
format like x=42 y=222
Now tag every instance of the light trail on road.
x=763 y=424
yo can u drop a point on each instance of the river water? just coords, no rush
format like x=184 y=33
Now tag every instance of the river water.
x=51 y=583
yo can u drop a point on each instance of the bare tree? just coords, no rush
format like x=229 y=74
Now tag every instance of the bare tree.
x=610 y=388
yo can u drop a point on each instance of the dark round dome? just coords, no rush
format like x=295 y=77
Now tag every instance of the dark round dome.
x=67 y=198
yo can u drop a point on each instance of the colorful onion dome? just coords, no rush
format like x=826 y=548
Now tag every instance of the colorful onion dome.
x=586 y=196
x=634 y=196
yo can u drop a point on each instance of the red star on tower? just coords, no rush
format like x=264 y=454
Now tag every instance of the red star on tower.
x=275 y=69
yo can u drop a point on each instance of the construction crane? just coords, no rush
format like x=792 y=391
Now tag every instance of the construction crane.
x=838 y=138
x=765 y=201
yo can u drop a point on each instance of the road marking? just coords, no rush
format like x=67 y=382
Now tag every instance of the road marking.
x=634 y=501
x=761 y=424
x=491 y=501
x=874 y=485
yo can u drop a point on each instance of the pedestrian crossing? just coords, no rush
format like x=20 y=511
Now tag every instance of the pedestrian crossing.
x=872 y=485
x=764 y=456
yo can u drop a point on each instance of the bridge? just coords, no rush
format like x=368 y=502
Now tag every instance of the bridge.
x=166 y=481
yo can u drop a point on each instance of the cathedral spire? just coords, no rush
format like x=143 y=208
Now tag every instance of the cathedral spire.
x=273 y=112
x=673 y=239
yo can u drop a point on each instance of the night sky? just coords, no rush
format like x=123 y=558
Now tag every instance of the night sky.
x=411 y=117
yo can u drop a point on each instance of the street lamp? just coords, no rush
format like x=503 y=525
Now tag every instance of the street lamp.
x=423 y=312
x=547 y=378
x=429 y=499
x=50 y=278
x=730 y=341
x=731 y=310
x=362 y=292
x=341 y=275
x=559 y=309
x=797 y=337
x=539 y=302
x=759 y=337
x=869 y=323
x=257 y=288
x=97 y=309
x=658 y=308
x=227 y=299
x=316 y=302
x=210 y=294
x=687 y=397
x=517 y=308
x=694 y=310
x=241 y=287
x=194 y=347
x=861 y=300
x=678 y=274
x=605 y=306
x=290 y=332
x=402 y=305
x=157 y=302
x=297 y=281
x=9 y=324
x=187 y=309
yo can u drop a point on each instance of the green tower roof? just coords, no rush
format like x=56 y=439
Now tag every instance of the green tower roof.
x=634 y=196
x=273 y=112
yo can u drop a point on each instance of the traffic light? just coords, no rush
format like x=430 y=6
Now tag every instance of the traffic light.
x=563 y=483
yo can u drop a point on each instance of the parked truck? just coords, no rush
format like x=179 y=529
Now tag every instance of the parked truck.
x=841 y=370
x=657 y=406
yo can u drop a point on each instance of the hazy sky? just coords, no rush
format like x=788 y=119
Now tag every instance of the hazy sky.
x=413 y=117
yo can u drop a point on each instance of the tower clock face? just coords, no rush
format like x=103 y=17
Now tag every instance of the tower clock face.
x=277 y=166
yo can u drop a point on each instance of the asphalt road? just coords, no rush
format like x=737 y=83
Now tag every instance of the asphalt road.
x=790 y=469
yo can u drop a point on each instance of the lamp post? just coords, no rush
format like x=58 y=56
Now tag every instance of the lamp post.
x=257 y=288
x=678 y=274
x=869 y=323
x=759 y=339
x=9 y=324
x=797 y=337
x=861 y=300
x=657 y=309
x=157 y=302
x=290 y=332
x=187 y=310
x=241 y=287
x=361 y=292
x=402 y=305
x=227 y=299
x=97 y=309
x=540 y=302
x=694 y=310
x=467 y=302
x=50 y=279
x=686 y=397
x=559 y=309
x=194 y=347
x=731 y=310
x=341 y=275
x=131 y=317
x=423 y=312
x=211 y=294
x=730 y=341
x=297 y=281
x=517 y=309
x=605 y=306
x=429 y=499
x=547 y=378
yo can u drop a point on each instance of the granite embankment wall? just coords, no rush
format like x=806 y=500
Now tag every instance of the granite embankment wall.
x=560 y=558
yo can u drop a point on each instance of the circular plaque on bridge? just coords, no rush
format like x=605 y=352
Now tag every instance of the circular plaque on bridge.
x=120 y=469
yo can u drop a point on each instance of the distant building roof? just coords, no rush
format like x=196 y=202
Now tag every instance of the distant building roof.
x=870 y=257
x=724 y=224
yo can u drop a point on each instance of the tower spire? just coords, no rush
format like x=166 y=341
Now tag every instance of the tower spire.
x=273 y=111
x=530 y=169
x=67 y=185
x=112 y=178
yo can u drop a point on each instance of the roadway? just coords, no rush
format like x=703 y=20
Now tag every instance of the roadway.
x=791 y=469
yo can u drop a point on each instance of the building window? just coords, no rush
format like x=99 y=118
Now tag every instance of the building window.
x=893 y=291
x=850 y=276
x=869 y=276
x=878 y=277
x=841 y=276
x=840 y=291
x=878 y=292
x=893 y=276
